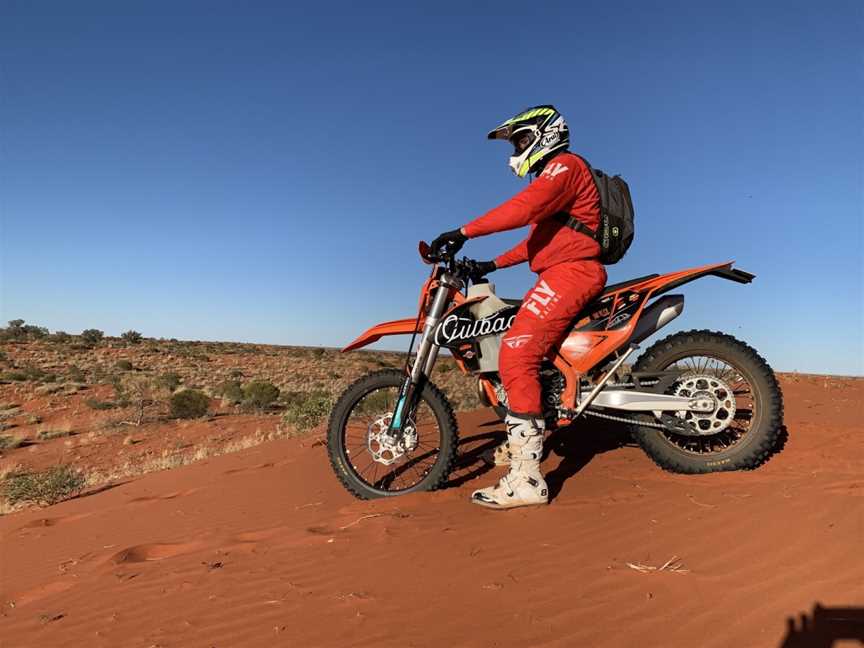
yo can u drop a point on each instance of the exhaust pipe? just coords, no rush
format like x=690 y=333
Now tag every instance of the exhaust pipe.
x=656 y=316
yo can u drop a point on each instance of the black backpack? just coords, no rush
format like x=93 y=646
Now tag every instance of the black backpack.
x=616 y=230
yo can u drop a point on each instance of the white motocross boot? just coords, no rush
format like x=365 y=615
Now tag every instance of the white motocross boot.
x=524 y=484
x=500 y=456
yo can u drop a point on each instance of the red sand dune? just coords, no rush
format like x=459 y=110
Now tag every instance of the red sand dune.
x=264 y=548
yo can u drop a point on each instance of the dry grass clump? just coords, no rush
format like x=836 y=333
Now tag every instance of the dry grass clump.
x=673 y=565
x=42 y=487
x=9 y=442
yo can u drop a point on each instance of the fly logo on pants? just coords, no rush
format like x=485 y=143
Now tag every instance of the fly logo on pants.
x=541 y=299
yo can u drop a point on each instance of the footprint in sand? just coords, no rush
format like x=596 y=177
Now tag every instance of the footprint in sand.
x=234 y=471
x=159 y=498
x=155 y=551
x=43 y=523
x=854 y=488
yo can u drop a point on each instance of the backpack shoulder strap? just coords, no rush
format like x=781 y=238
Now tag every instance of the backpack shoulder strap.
x=573 y=223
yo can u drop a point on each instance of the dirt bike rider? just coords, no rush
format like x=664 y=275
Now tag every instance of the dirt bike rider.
x=570 y=275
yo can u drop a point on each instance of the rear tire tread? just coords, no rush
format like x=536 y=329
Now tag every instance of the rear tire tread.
x=664 y=455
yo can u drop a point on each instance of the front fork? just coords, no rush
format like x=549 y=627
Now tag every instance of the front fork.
x=427 y=354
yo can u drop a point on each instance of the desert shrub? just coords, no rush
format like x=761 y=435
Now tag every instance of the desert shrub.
x=169 y=380
x=123 y=365
x=319 y=353
x=29 y=372
x=230 y=390
x=76 y=374
x=141 y=391
x=92 y=336
x=260 y=394
x=306 y=411
x=42 y=487
x=9 y=442
x=445 y=367
x=61 y=337
x=96 y=404
x=3 y=357
x=236 y=373
x=47 y=435
x=36 y=332
x=17 y=330
x=189 y=403
x=132 y=337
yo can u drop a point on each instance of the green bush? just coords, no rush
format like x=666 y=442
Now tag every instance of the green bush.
x=132 y=337
x=188 y=404
x=124 y=365
x=305 y=411
x=43 y=487
x=92 y=336
x=260 y=394
x=230 y=390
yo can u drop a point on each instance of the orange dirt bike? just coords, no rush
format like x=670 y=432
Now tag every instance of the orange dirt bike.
x=696 y=402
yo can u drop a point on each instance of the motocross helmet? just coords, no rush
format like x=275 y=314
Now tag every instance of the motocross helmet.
x=535 y=133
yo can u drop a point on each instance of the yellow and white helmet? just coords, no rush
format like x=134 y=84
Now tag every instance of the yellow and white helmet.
x=534 y=133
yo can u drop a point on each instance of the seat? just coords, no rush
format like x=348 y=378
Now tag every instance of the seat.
x=607 y=290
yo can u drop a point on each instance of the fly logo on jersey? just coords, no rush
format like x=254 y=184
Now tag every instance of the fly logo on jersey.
x=541 y=299
x=554 y=169
x=517 y=341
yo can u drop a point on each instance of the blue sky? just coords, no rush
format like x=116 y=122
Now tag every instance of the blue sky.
x=262 y=171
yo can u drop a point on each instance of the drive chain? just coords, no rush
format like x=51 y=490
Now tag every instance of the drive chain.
x=623 y=419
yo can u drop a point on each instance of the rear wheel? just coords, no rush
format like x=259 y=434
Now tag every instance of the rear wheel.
x=742 y=430
x=368 y=461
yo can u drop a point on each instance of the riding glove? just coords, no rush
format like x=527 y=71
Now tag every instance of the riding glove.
x=453 y=241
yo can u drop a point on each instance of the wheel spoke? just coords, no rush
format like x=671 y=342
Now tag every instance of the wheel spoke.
x=412 y=457
x=734 y=425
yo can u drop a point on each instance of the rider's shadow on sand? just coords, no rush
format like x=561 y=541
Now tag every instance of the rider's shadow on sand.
x=575 y=444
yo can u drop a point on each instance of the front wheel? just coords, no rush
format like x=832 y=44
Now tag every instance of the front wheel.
x=742 y=431
x=368 y=461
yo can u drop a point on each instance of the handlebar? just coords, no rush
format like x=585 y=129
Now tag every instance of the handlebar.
x=465 y=268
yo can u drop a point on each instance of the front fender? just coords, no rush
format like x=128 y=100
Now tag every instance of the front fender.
x=396 y=327
x=402 y=326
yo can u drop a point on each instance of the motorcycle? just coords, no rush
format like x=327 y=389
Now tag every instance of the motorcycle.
x=696 y=401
